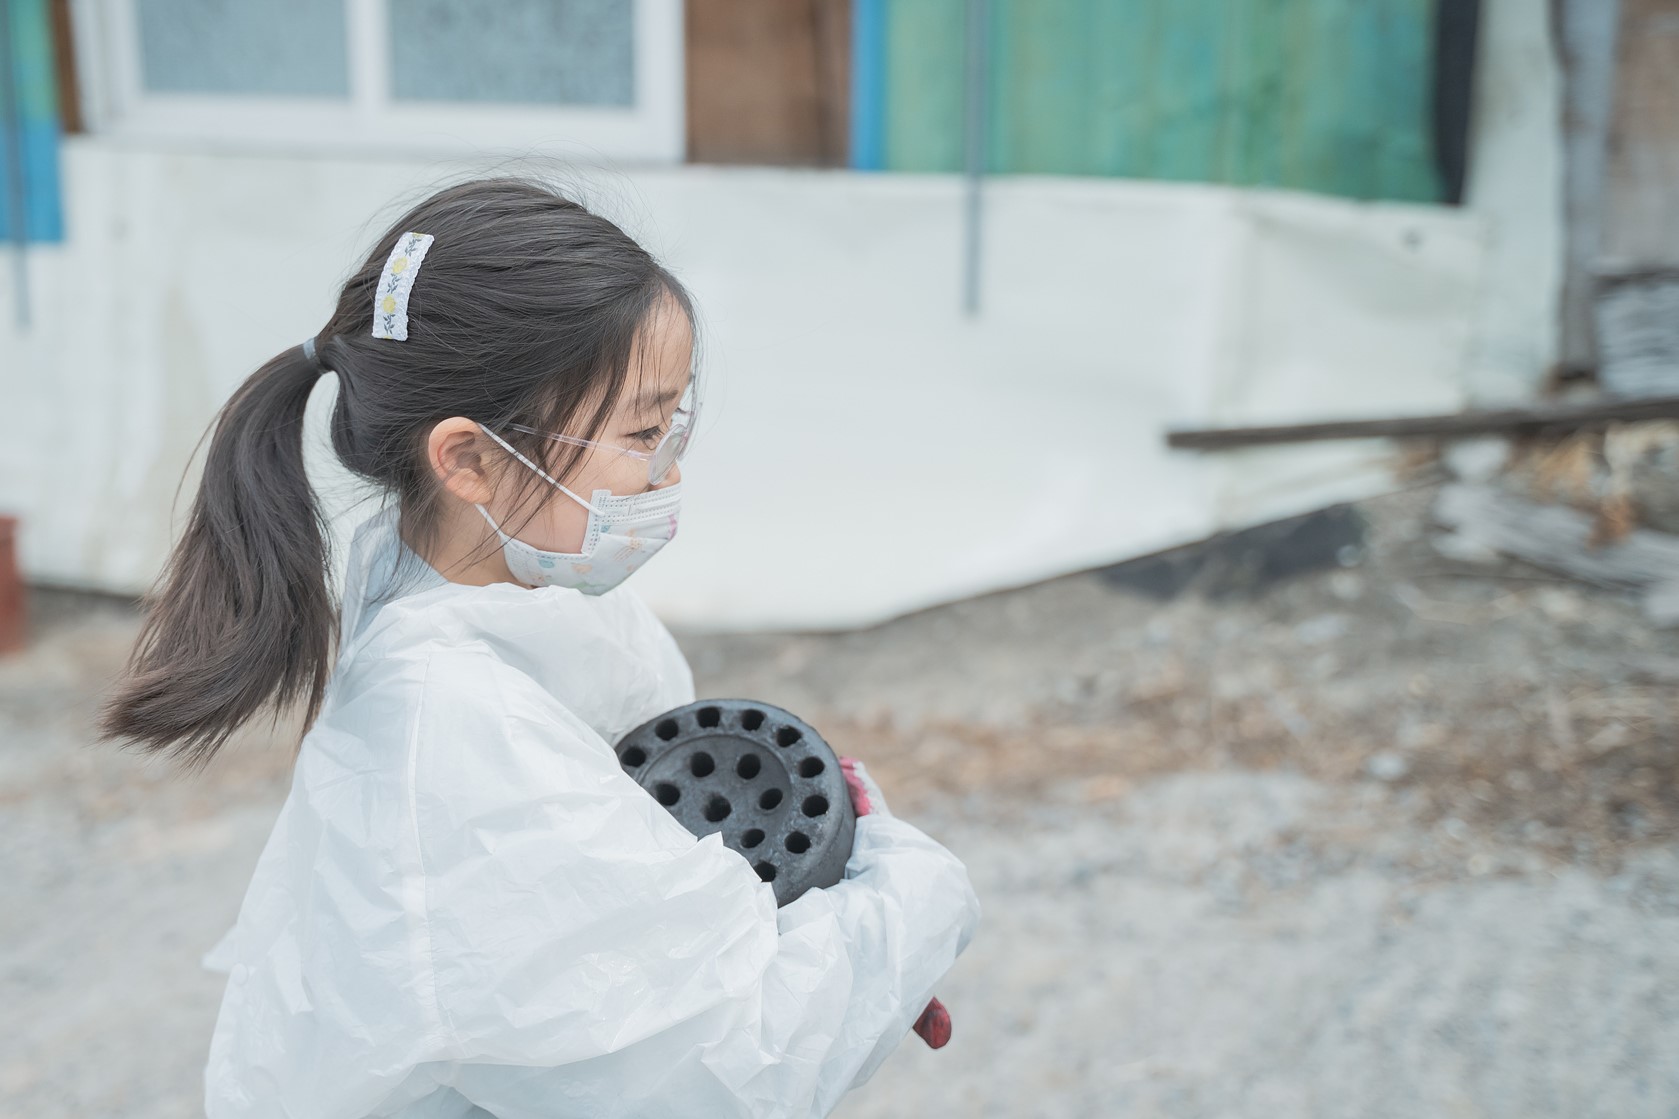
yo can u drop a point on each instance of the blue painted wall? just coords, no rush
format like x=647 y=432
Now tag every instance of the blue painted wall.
x=37 y=104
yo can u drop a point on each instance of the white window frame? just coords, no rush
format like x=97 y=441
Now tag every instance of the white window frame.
x=652 y=130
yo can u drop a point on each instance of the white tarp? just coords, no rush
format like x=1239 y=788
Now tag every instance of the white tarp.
x=866 y=449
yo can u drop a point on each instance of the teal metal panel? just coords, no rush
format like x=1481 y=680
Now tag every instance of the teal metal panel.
x=924 y=51
x=30 y=190
x=868 y=84
x=1323 y=95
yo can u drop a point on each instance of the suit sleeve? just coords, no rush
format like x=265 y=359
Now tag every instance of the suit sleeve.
x=588 y=956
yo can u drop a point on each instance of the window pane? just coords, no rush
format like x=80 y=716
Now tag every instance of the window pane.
x=286 y=47
x=564 y=52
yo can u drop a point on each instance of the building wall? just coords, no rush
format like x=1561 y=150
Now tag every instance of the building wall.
x=1516 y=188
x=1636 y=273
x=866 y=448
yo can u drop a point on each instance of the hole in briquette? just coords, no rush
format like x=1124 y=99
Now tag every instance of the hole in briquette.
x=667 y=729
x=766 y=871
x=708 y=717
x=815 y=805
x=701 y=764
x=810 y=767
x=786 y=736
x=770 y=799
x=751 y=837
x=635 y=755
x=752 y=719
x=716 y=809
x=667 y=793
x=748 y=766
x=798 y=843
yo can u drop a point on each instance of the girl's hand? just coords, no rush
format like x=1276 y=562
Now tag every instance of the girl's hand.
x=934 y=1024
x=865 y=794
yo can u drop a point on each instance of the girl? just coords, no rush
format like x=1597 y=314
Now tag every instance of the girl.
x=466 y=908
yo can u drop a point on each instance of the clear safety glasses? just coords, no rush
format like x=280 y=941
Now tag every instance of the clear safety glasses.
x=666 y=454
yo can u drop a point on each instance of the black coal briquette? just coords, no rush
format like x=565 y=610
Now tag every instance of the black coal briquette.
x=758 y=774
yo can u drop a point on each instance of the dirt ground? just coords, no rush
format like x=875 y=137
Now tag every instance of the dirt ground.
x=1397 y=837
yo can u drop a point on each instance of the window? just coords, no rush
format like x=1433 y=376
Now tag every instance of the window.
x=593 y=77
x=262 y=49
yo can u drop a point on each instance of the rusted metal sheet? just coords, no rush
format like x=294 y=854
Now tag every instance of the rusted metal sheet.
x=1637 y=307
x=1641 y=191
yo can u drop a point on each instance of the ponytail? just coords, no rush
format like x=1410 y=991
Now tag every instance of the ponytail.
x=242 y=617
x=529 y=314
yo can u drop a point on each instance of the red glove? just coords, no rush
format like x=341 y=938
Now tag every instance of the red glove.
x=934 y=1023
x=860 y=799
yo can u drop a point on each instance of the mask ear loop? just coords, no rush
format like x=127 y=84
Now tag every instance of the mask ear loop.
x=544 y=474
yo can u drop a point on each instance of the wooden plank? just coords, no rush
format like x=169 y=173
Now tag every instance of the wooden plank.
x=1661 y=605
x=1509 y=421
x=1637 y=270
x=1641 y=204
x=13 y=625
x=1638 y=332
x=1558 y=538
x=831 y=20
x=768 y=81
x=64 y=68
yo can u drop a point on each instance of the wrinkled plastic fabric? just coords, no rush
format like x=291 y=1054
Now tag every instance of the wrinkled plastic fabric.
x=466 y=908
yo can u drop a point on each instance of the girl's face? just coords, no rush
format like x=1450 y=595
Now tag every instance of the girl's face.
x=658 y=376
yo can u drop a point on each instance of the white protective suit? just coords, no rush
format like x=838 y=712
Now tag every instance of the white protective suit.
x=466 y=908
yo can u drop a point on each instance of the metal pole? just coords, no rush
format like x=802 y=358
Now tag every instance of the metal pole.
x=979 y=14
x=11 y=119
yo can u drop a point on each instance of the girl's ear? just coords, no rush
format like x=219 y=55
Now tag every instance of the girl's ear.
x=455 y=452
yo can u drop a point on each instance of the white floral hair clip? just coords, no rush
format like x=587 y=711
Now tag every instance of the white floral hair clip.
x=390 y=299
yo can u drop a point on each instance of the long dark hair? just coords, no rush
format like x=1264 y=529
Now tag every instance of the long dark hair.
x=526 y=308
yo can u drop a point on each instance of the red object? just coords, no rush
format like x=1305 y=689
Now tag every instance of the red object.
x=859 y=794
x=12 y=629
x=934 y=1023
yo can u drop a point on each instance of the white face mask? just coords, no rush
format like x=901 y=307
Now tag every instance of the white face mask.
x=623 y=533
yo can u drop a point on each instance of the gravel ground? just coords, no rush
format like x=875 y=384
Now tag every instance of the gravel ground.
x=1399 y=838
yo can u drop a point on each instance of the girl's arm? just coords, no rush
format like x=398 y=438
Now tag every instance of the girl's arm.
x=590 y=956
